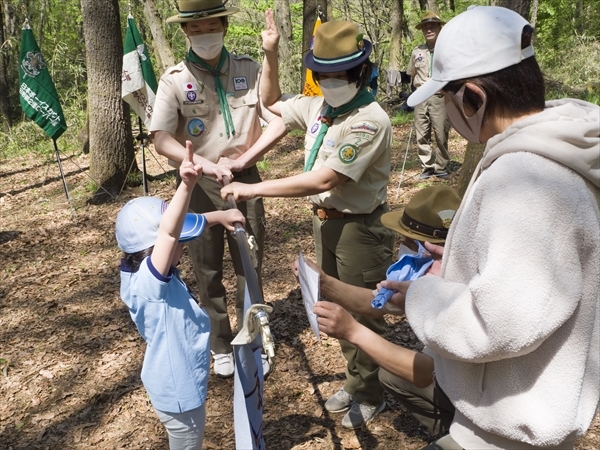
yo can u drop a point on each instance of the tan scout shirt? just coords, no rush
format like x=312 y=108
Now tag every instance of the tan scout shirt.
x=420 y=64
x=187 y=106
x=356 y=145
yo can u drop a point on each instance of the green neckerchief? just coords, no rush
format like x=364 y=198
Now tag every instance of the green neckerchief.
x=364 y=97
x=216 y=72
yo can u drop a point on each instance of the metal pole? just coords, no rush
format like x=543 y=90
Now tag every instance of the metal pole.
x=62 y=176
x=242 y=240
x=404 y=162
x=141 y=137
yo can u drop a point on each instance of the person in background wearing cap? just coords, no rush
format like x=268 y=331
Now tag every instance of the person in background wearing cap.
x=347 y=167
x=175 y=327
x=212 y=99
x=430 y=116
x=513 y=320
x=404 y=373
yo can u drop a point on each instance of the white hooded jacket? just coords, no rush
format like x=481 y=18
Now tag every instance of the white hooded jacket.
x=514 y=320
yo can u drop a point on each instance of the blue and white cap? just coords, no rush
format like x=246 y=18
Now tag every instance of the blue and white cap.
x=138 y=222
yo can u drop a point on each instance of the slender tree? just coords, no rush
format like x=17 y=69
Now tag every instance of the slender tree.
x=396 y=17
x=309 y=17
x=283 y=20
x=160 y=44
x=110 y=139
x=5 y=107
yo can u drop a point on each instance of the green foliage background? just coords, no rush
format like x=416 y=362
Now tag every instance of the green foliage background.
x=567 y=47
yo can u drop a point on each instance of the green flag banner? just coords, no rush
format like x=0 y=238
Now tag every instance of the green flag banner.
x=139 y=82
x=38 y=96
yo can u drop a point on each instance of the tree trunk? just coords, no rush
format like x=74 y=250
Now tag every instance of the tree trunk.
x=283 y=20
x=396 y=14
x=161 y=47
x=519 y=6
x=111 y=142
x=5 y=108
x=534 y=11
x=473 y=155
x=433 y=7
x=309 y=17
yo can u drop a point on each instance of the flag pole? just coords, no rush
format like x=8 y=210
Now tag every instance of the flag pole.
x=141 y=138
x=62 y=176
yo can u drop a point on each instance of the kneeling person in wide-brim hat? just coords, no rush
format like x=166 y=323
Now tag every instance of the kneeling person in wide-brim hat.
x=346 y=172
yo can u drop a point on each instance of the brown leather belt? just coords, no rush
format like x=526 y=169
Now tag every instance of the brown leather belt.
x=328 y=214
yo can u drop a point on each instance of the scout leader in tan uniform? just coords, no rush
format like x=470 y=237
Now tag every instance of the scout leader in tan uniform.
x=430 y=116
x=347 y=166
x=212 y=99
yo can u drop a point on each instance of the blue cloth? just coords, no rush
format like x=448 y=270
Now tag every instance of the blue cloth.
x=407 y=268
x=373 y=81
x=176 y=330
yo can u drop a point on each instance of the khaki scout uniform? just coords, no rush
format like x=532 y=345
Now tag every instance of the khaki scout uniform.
x=351 y=243
x=429 y=115
x=187 y=106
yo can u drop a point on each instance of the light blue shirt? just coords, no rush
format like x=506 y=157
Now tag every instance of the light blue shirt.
x=176 y=330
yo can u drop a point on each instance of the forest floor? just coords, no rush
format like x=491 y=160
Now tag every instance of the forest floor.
x=70 y=356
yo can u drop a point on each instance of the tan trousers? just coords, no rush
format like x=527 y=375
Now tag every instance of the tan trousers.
x=208 y=251
x=357 y=250
x=431 y=122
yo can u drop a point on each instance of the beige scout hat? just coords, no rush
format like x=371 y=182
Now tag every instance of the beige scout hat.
x=427 y=216
x=429 y=17
x=190 y=10
x=338 y=46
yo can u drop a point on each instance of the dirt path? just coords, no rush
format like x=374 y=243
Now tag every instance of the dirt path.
x=70 y=357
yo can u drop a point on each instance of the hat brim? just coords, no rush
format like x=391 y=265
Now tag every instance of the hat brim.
x=309 y=61
x=193 y=226
x=178 y=19
x=420 y=24
x=392 y=221
x=422 y=93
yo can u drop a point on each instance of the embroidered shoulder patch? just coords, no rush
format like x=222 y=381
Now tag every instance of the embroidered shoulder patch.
x=364 y=127
x=348 y=153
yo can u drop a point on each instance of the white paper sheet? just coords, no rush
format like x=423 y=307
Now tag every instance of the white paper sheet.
x=309 y=285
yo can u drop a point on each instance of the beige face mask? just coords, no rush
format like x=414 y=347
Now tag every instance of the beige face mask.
x=467 y=127
x=207 y=45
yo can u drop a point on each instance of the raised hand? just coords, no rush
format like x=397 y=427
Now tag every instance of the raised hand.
x=270 y=36
x=189 y=172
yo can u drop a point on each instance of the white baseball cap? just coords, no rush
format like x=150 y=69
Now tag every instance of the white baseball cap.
x=481 y=40
x=138 y=222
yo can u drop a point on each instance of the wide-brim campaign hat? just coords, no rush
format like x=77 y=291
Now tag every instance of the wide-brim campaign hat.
x=429 y=17
x=138 y=222
x=481 y=40
x=190 y=10
x=427 y=216
x=338 y=46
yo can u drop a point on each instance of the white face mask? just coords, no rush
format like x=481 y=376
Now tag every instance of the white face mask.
x=467 y=127
x=207 y=45
x=337 y=92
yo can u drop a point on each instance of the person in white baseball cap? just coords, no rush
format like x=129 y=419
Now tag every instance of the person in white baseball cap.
x=512 y=318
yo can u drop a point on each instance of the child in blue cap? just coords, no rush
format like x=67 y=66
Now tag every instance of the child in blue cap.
x=175 y=327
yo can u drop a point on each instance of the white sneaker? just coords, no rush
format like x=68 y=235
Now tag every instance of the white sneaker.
x=223 y=364
x=265 y=364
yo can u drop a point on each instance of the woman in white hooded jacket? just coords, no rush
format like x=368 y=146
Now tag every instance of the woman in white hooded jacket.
x=513 y=318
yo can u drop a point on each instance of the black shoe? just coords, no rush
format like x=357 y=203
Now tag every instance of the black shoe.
x=441 y=174
x=428 y=172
